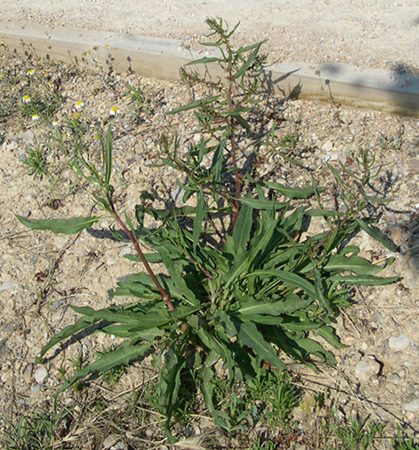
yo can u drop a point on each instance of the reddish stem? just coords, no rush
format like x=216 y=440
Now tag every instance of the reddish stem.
x=142 y=257
x=233 y=150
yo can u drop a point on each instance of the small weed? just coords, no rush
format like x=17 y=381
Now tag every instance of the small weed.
x=36 y=161
x=260 y=444
x=403 y=442
x=357 y=434
x=38 y=430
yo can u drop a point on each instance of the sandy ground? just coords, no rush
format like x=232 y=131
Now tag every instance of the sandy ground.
x=371 y=34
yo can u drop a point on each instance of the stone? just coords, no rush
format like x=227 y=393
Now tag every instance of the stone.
x=412 y=406
x=41 y=374
x=399 y=342
x=366 y=369
x=27 y=373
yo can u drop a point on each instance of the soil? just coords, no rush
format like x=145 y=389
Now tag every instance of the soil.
x=41 y=274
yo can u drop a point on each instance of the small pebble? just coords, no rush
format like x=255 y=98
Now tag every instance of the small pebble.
x=366 y=369
x=399 y=342
x=27 y=373
x=41 y=374
x=412 y=406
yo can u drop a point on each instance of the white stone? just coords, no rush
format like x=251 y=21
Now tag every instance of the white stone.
x=412 y=406
x=399 y=342
x=41 y=374
x=366 y=369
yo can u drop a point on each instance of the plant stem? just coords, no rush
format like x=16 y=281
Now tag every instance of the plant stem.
x=233 y=146
x=134 y=241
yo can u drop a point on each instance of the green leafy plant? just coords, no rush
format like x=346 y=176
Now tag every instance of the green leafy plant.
x=404 y=442
x=356 y=434
x=38 y=430
x=36 y=161
x=259 y=444
x=244 y=282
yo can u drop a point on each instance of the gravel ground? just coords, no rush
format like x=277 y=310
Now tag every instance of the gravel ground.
x=370 y=34
x=42 y=274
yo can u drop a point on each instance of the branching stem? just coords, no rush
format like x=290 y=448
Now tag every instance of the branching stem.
x=134 y=241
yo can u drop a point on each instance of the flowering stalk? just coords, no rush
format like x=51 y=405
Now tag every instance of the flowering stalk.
x=141 y=255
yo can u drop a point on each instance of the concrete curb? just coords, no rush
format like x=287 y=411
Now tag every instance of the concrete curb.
x=394 y=92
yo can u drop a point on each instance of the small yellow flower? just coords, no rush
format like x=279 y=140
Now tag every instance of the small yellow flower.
x=55 y=123
x=35 y=117
x=30 y=72
x=76 y=115
x=107 y=46
x=87 y=51
x=114 y=110
x=26 y=99
x=23 y=83
x=14 y=88
x=79 y=105
x=96 y=137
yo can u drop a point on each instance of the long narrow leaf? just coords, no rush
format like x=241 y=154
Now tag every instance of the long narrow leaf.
x=123 y=355
x=250 y=336
x=108 y=156
x=63 y=226
x=375 y=235
x=364 y=280
x=65 y=333
x=193 y=105
x=198 y=219
x=293 y=192
x=241 y=233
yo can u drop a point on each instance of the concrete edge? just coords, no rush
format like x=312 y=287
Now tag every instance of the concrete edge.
x=161 y=58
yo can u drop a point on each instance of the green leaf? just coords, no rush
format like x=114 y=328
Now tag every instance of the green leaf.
x=375 y=235
x=293 y=192
x=289 y=278
x=205 y=60
x=324 y=213
x=249 y=61
x=198 y=219
x=314 y=348
x=108 y=156
x=216 y=344
x=150 y=257
x=338 y=178
x=169 y=379
x=354 y=264
x=123 y=355
x=329 y=335
x=378 y=199
x=217 y=162
x=251 y=337
x=64 y=226
x=241 y=233
x=65 y=333
x=193 y=105
x=125 y=331
x=207 y=384
x=364 y=280
x=291 y=304
x=257 y=203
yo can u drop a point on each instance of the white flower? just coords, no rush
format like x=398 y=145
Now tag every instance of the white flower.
x=55 y=123
x=26 y=99
x=114 y=110
x=79 y=105
x=35 y=117
x=30 y=72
